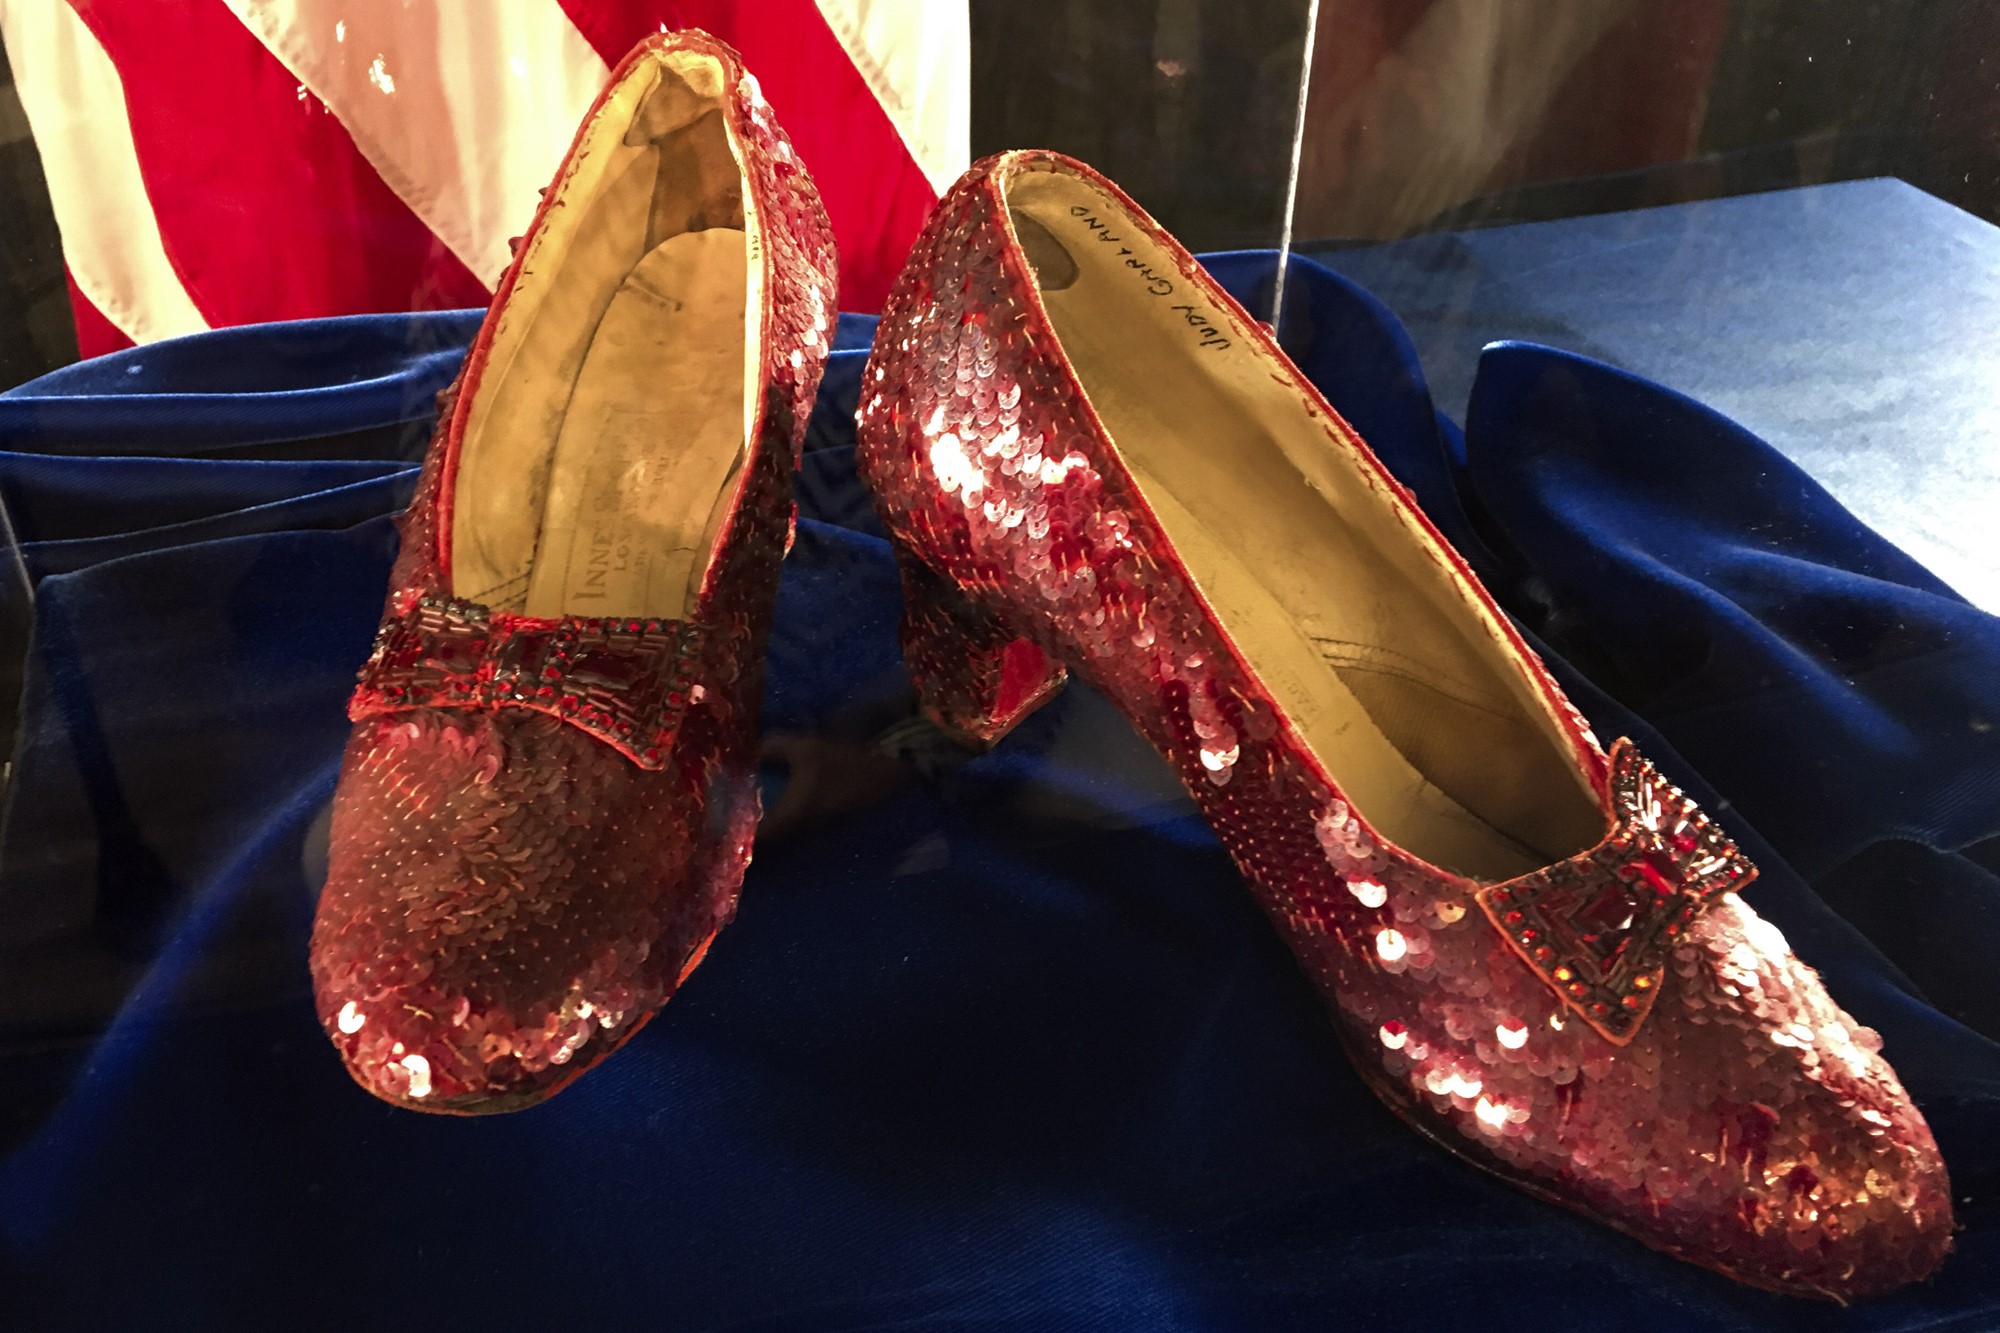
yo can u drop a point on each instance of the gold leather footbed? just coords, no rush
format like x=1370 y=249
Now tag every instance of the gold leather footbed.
x=612 y=422
x=1399 y=681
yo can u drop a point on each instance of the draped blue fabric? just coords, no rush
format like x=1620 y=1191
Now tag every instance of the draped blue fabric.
x=1006 y=1046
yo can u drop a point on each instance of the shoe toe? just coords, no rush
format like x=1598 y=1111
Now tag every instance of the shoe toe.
x=1749 y=1126
x=1787 y=1153
x=1885 y=1217
x=1841 y=1189
x=419 y=1041
x=507 y=901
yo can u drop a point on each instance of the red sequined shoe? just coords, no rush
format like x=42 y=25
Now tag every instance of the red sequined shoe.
x=1091 y=459
x=546 y=807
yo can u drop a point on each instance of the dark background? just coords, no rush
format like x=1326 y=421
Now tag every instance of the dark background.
x=35 y=330
x=1190 y=105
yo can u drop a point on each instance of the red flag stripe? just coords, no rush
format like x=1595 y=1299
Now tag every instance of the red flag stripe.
x=112 y=250
x=266 y=208
x=916 y=56
x=464 y=109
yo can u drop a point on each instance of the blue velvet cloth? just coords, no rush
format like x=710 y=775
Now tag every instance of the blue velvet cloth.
x=1009 y=1048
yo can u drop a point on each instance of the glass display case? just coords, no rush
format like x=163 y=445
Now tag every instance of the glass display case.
x=1343 y=557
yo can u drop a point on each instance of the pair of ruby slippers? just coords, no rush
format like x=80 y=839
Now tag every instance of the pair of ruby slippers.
x=1089 y=459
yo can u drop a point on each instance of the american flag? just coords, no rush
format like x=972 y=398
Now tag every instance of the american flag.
x=219 y=162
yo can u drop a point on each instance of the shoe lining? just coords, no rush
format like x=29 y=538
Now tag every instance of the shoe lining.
x=612 y=422
x=1392 y=673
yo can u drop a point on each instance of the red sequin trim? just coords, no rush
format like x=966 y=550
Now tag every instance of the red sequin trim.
x=624 y=681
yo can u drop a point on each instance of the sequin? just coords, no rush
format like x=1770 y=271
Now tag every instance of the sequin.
x=1730 y=1066
x=417 y=1072
x=540 y=823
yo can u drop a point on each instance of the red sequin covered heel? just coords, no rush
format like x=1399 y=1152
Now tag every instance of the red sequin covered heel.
x=546 y=806
x=1534 y=949
x=974 y=675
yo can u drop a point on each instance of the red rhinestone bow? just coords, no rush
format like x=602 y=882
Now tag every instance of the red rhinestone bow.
x=627 y=682
x=1597 y=927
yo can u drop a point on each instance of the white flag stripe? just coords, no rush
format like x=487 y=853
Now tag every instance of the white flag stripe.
x=464 y=109
x=76 y=106
x=916 y=56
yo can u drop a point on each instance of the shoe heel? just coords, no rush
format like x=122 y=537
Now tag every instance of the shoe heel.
x=975 y=676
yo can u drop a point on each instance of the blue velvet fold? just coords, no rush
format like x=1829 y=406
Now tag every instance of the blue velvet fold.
x=1010 y=1049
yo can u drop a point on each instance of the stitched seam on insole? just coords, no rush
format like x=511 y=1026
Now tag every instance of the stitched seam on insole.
x=1339 y=660
x=507 y=589
x=1410 y=661
x=1472 y=816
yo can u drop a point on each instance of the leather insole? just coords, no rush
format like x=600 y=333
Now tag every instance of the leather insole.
x=651 y=438
x=1384 y=665
x=602 y=442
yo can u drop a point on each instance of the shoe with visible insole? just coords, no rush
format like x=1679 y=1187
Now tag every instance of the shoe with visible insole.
x=546 y=807
x=1090 y=459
